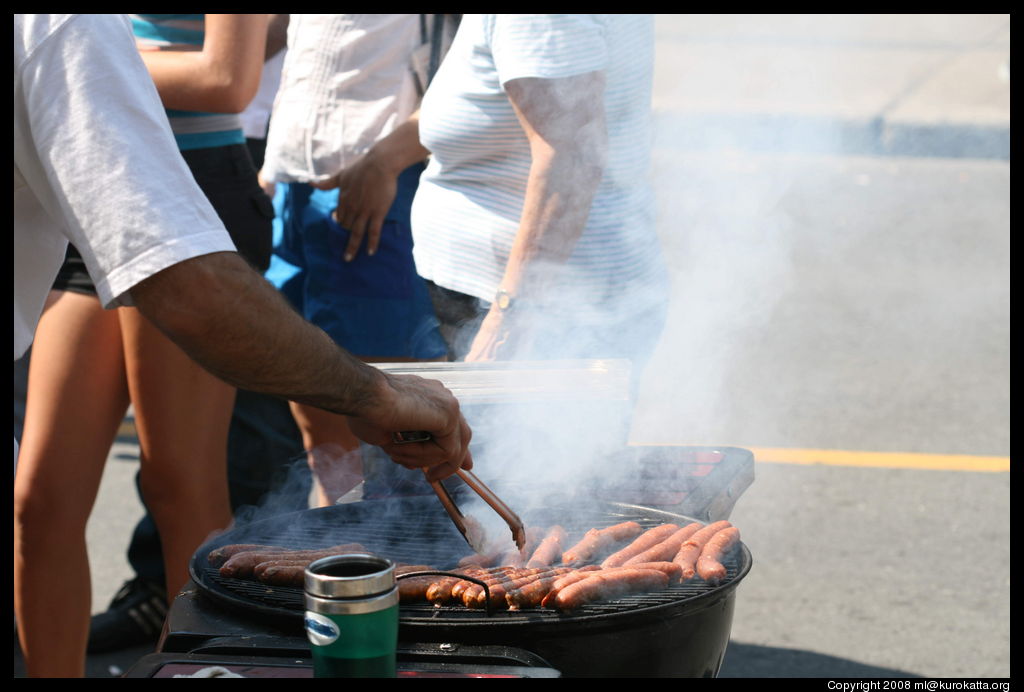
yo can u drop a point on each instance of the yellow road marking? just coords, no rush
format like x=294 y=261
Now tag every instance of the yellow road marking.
x=840 y=457
x=900 y=460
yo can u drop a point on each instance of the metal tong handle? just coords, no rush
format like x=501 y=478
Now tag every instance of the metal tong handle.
x=458 y=518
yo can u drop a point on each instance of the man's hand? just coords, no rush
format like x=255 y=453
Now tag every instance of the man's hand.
x=410 y=403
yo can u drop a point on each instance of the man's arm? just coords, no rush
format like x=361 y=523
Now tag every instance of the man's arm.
x=233 y=323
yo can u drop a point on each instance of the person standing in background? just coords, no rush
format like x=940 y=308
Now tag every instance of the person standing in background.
x=534 y=219
x=343 y=145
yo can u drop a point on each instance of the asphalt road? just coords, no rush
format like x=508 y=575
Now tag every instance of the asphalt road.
x=855 y=303
x=829 y=300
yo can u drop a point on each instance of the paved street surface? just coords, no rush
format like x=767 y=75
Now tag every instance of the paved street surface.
x=833 y=198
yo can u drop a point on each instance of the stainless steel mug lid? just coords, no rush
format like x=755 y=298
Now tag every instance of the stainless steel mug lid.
x=355 y=575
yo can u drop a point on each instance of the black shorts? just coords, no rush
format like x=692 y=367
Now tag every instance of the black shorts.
x=227 y=177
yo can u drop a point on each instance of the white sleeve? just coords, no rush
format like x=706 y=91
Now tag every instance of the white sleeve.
x=547 y=46
x=93 y=143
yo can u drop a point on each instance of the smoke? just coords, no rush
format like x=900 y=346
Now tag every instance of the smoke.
x=741 y=104
x=288 y=491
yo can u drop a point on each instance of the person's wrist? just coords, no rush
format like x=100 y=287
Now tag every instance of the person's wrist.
x=384 y=160
x=504 y=300
x=374 y=394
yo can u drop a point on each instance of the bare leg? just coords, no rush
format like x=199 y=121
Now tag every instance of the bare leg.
x=182 y=414
x=77 y=397
x=332 y=451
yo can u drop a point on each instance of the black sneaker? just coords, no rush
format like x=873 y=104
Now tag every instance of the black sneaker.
x=135 y=616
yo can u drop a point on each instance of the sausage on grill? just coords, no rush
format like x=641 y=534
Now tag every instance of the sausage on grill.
x=218 y=556
x=647 y=539
x=528 y=592
x=489 y=576
x=692 y=547
x=549 y=550
x=515 y=557
x=546 y=599
x=709 y=564
x=474 y=595
x=440 y=591
x=670 y=569
x=597 y=541
x=609 y=584
x=667 y=549
x=413 y=589
x=293 y=572
x=241 y=564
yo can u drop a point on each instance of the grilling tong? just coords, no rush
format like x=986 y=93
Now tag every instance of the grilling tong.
x=467 y=526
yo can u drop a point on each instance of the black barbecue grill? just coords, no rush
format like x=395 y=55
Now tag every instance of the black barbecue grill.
x=679 y=631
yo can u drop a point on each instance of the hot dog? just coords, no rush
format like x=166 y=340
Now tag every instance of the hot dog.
x=488 y=576
x=440 y=591
x=692 y=547
x=647 y=539
x=549 y=549
x=528 y=592
x=667 y=549
x=670 y=569
x=560 y=583
x=474 y=594
x=609 y=584
x=518 y=558
x=414 y=589
x=293 y=572
x=218 y=556
x=500 y=590
x=241 y=564
x=709 y=564
x=597 y=541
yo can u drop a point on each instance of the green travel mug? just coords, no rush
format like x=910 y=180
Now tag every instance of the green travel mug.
x=352 y=616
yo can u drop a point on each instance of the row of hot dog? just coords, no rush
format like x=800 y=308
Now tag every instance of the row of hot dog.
x=604 y=563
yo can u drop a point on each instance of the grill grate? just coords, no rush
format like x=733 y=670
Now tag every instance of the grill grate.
x=291 y=600
x=426 y=536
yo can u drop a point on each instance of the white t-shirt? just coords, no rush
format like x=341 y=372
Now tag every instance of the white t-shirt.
x=467 y=209
x=347 y=82
x=95 y=164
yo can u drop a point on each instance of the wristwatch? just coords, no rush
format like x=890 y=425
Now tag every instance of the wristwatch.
x=503 y=300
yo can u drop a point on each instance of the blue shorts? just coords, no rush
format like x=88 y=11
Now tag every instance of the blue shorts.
x=372 y=306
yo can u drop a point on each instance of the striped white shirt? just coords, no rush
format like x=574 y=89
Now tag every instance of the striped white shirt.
x=466 y=212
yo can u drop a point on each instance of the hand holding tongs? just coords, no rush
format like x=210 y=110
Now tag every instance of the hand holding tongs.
x=460 y=520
